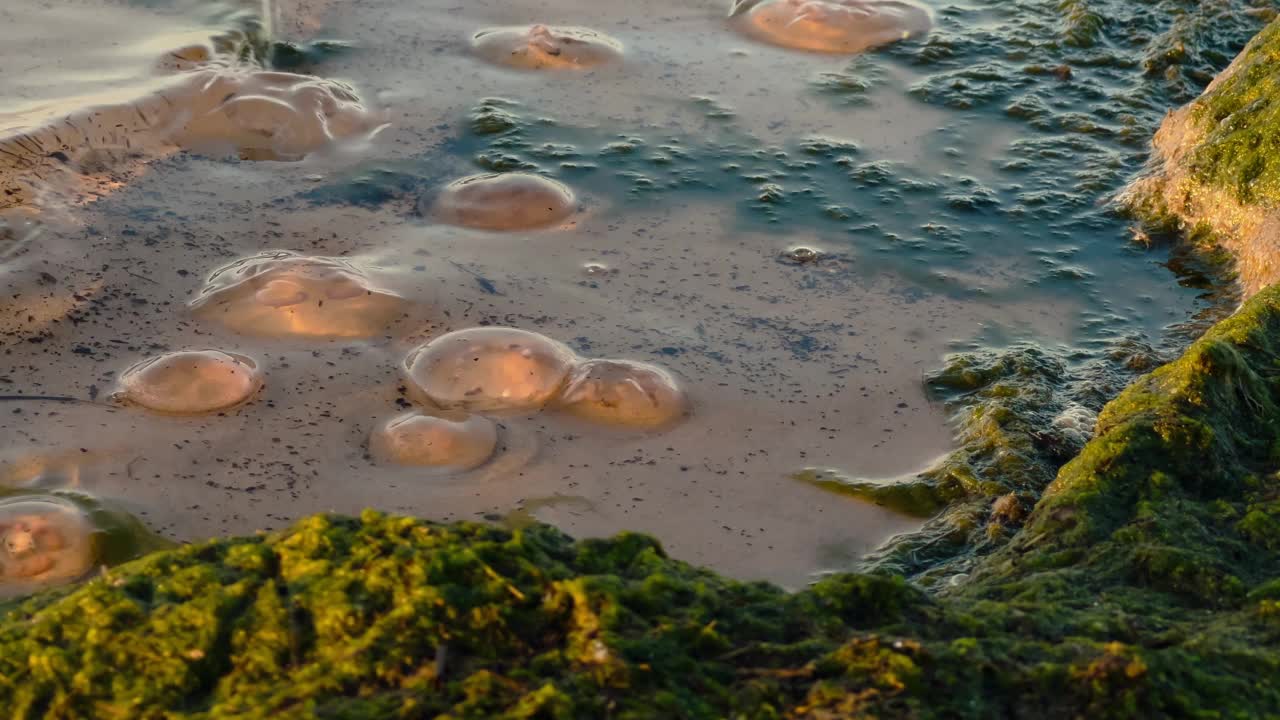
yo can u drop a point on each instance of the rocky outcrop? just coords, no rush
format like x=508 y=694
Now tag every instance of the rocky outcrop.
x=1215 y=173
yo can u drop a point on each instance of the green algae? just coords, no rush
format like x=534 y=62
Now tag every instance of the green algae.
x=1019 y=414
x=1142 y=585
x=1240 y=118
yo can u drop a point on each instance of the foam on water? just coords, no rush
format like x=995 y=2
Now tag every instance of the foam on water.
x=282 y=294
x=544 y=47
x=192 y=382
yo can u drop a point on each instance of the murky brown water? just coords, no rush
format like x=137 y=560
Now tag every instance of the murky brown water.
x=786 y=365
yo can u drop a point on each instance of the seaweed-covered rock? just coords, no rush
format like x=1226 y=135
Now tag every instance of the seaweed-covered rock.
x=1142 y=585
x=1020 y=413
x=1215 y=172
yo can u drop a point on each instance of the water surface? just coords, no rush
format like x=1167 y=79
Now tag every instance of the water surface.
x=954 y=190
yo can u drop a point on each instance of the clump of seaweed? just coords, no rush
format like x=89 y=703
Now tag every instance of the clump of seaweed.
x=1020 y=413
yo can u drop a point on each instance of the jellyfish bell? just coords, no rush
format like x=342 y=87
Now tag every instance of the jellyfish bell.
x=43 y=541
x=283 y=294
x=489 y=369
x=192 y=382
x=541 y=47
x=266 y=115
x=504 y=201
x=831 y=26
x=624 y=393
x=445 y=442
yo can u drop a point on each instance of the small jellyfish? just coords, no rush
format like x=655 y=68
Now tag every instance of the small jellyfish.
x=504 y=201
x=282 y=294
x=43 y=541
x=621 y=392
x=490 y=369
x=191 y=382
x=831 y=26
x=449 y=444
x=539 y=47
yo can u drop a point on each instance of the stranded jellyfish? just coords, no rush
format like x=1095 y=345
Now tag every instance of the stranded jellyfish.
x=832 y=26
x=490 y=369
x=620 y=392
x=279 y=294
x=504 y=201
x=268 y=115
x=43 y=541
x=539 y=47
x=192 y=382
x=450 y=444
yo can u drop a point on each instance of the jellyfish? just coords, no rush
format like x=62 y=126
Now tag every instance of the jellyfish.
x=621 y=392
x=267 y=115
x=831 y=26
x=490 y=369
x=43 y=540
x=255 y=114
x=504 y=201
x=283 y=294
x=192 y=382
x=446 y=443
x=540 y=47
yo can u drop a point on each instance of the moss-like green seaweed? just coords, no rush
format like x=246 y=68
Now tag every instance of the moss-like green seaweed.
x=1240 y=117
x=1142 y=585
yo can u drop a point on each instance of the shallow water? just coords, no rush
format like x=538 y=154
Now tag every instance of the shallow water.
x=953 y=189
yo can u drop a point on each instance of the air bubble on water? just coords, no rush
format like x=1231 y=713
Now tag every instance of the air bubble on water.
x=283 y=294
x=622 y=392
x=504 y=201
x=191 y=382
x=490 y=369
x=831 y=26
x=446 y=443
x=540 y=47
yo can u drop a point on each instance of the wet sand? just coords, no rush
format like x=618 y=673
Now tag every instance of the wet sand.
x=787 y=365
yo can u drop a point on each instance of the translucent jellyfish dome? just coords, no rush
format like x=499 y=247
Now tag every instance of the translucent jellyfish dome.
x=448 y=444
x=43 y=541
x=831 y=26
x=490 y=369
x=538 y=47
x=192 y=382
x=504 y=201
x=266 y=115
x=621 y=392
x=283 y=294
